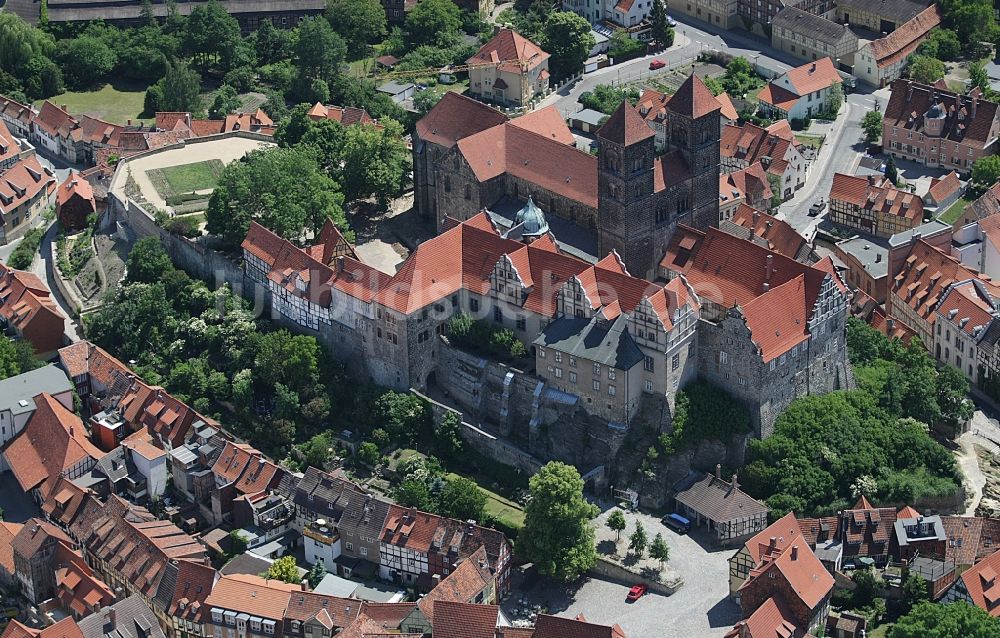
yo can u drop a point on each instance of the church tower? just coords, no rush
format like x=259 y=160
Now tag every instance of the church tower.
x=694 y=130
x=625 y=208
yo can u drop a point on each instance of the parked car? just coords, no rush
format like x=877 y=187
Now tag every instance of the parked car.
x=671 y=21
x=677 y=523
x=637 y=592
x=817 y=208
x=656 y=64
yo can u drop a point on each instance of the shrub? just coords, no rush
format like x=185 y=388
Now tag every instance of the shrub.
x=484 y=336
x=186 y=226
x=24 y=254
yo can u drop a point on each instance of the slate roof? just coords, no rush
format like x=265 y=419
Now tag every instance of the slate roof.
x=810 y=26
x=331 y=611
x=717 y=499
x=17 y=393
x=132 y=618
x=184 y=587
x=867 y=529
x=594 y=340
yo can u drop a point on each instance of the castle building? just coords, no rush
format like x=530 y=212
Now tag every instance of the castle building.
x=468 y=157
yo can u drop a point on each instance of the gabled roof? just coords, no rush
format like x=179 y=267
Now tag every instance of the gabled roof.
x=813 y=76
x=905 y=39
x=626 y=126
x=798 y=566
x=693 y=99
x=464 y=620
x=23 y=182
x=982 y=582
x=332 y=612
x=127 y=618
x=456 y=117
x=774 y=538
x=7 y=533
x=55 y=121
x=812 y=27
x=716 y=498
x=911 y=101
x=967 y=306
x=184 y=587
x=898 y=11
x=252 y=594
x=944 y=187
x=547 y=122
x=875 y=194
x=509 y=51
x=53 y=441
x=728 y=109
x=65 y=628
x=462 y=585
x=547 y=626
x=75 y=186
x=770 y=620
x=34 y=535
x=779 y=234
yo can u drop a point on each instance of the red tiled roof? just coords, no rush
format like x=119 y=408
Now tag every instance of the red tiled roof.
x=669 y=169
x=778 y=318
x=97 y=131
x=800 y=568
x=410 y=528
x=23 y=182
x=547 y=626
x=728 y=108
x=780 y=236
x=65 y=628
x=75 y=185
x=27 y=306
x=905 y=38
x=813 y=76
x=462 y=585
x=910 y=101
x=981 y=581
x=785 y=532
x=55 y=121
x=509 y=50
x=168 y=120
x=944 y=187
x=693 y=99
x=456 y=117
x=332 y=611
x=252 y=594
x=16 y=111
x=547 y=122
x=625 y=126
x=54 y=440
x=872 y=193
x=770 y=620
x=346 y=115
x=867 y=529
x=970 y=308
x=550 y=164
x=7 y=533
x=777 y=96
x=464 y=620
x=751 y=143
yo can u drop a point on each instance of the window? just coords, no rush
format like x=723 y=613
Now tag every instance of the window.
x=541 y=353
x=611 y=374
x=597 y=369
x=597 y=384
x=558 y=372
x=364 y=551
x=773 y=364
x=675 y=362
x=572 y=377
x=724 y=357
x=611 y=390
x=497 y=315
x=474 y=305
x=558 y=357
x=572 y=361
x=521 y=322
x=648 y=363
x=349 y=546
x=649 y=386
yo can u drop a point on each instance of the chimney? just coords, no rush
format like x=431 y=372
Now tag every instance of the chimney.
x=129 y=122
x=878 y=257
x=771 y=544
x=756 y=217
x=770 y=267
x=109 y=618
x=890 y=324
x=812 y=67
x=735 y=483
x=718 y=471
x=909 y=90
x=795 y=552
x=975 y=100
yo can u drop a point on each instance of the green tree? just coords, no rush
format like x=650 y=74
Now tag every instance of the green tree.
x=360 y=23
x=316 y=451
x=281 y=357
x=868 y=587
x=942 y=44
x=557 y=534
x=209 y=31
x=282 y=189
x=10 y=359
x=368 y=454
x=623 y=47
x=979 y=78
x=616 y=523
x=86 y=61
x=448 y=436
x=740 y=77
x=954 y=620
x=607 y=99
x=147 y=261
x=659 y=549
x=568 y=39
x=414 y=493
x=914 y=591
x=284 y=569
x=405 y=416
x=890 y=170
x=986 y=171
x=433 y=22
x=319 y=51
x=42 y=78
x=426 y=100
x=180 y=89
x=226 y=101
x=318 y=571
x=271 y=44
x=638 y=540
x=20 y=43
x=925 y=69
x=373 y=161
x=661 y=30
x=461 y=498
x=237 y=544
x=834 y=100
x=973 y=21
x=871 y=124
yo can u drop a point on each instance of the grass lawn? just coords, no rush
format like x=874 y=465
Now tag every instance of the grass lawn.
x=186 y=178
x=812 y=141
x=498 y=506
x=954 y=211
x=115 y=105
x=881 y=631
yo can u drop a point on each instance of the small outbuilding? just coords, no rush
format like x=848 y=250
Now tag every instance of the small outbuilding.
x=75 y=202
x=729 y=513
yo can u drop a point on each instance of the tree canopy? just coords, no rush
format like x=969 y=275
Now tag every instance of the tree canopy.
x=281 y=188
x=954 y=620
x=360 y=23
x=568 y=39
x=461 y=498
x=558 y=536
x=284 y=569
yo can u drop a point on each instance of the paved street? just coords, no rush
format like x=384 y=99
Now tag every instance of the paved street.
x=701 y=607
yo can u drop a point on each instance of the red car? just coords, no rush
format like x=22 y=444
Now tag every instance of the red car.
x=637 y=592
x=656 y=64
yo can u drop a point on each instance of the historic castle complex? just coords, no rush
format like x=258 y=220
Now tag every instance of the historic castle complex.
x=709 y=304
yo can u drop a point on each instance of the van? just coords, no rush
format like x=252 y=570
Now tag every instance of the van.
x=677 y=523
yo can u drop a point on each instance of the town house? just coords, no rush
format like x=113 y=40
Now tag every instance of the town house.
x=873 y=205
x=802 y=92
x=509 y=70
x=774 y=147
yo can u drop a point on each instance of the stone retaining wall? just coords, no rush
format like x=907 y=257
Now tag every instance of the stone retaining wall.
x=609 y=570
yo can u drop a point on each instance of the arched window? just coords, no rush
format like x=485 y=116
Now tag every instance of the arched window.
x=468 y=192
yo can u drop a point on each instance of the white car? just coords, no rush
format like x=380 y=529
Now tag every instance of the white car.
x=671 y=21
